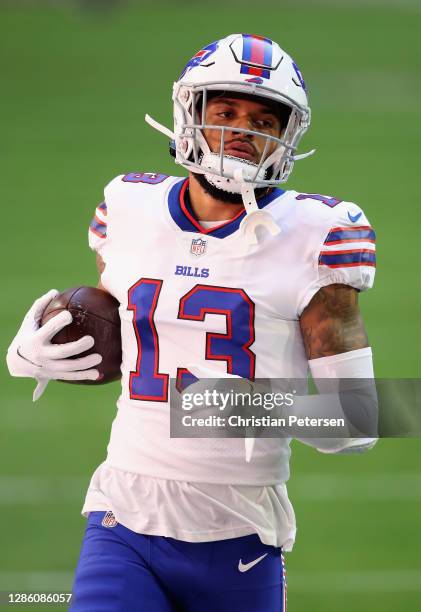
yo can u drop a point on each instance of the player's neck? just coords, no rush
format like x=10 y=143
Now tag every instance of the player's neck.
x=207 y=208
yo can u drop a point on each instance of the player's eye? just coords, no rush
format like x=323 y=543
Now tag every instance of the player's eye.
x=225 y=114
x=264 y=123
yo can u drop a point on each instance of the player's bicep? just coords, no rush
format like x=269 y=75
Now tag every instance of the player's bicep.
x=332 y=323
x=98 y=238
x=100 y=267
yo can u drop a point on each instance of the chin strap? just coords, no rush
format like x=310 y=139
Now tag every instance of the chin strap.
x=254 y=217
x=158 y=126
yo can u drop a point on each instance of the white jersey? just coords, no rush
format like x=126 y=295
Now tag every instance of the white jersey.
x=195 y=295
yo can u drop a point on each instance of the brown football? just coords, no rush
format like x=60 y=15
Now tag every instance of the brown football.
x=95 y=313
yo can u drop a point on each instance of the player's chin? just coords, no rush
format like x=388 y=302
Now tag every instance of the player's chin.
x=222 y=195
x=216 y=192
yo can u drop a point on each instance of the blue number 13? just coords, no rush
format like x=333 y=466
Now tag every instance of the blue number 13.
x=233 y=347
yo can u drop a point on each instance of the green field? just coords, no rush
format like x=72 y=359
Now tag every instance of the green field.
x=75 y=87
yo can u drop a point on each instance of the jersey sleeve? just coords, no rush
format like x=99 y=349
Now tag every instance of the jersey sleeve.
x=121 y=197
x=347 y=254
x=97 y=234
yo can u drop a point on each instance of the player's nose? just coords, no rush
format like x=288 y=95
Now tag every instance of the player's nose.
x=243 y=122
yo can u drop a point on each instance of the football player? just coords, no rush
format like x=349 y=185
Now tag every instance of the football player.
x=221 y=273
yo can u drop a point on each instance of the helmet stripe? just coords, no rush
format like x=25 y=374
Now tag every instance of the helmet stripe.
x=256 y=50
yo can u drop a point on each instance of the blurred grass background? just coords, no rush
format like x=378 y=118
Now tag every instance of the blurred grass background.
x=77 y=79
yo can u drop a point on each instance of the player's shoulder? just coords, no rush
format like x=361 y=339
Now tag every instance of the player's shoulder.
x=325 y=211
x=132 y=198
x=133 y=183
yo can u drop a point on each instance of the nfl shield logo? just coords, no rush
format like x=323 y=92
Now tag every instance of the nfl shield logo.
x=198 y=246
x=109 y=520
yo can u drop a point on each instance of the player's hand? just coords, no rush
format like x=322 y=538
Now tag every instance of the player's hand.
x=347 y=446
x=31 y=353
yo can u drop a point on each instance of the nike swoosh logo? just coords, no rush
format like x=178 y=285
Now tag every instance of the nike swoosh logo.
x=355 y=218
x=244 y=567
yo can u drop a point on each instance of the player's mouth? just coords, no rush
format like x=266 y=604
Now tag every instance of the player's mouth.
x=241 y=149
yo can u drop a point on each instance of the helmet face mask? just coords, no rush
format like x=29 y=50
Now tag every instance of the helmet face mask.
x=192 y=149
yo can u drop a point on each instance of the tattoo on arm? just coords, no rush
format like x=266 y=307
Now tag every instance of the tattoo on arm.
x=332 y=322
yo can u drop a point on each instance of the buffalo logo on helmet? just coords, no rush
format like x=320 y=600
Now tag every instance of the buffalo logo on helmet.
x=300 y=77
x=199 y=57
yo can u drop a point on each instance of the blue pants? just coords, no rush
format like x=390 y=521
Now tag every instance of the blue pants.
x=123 y=571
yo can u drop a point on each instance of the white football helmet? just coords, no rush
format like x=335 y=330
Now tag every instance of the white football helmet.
x=247 y=65
x=242 y=64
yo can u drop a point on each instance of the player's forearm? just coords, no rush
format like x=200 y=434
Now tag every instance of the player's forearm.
x=100 y=264
x=355 y=405
x=347 y=391
x=337 y=347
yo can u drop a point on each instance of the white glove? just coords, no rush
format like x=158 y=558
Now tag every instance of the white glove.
x=32 y=354
x=353 y=446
